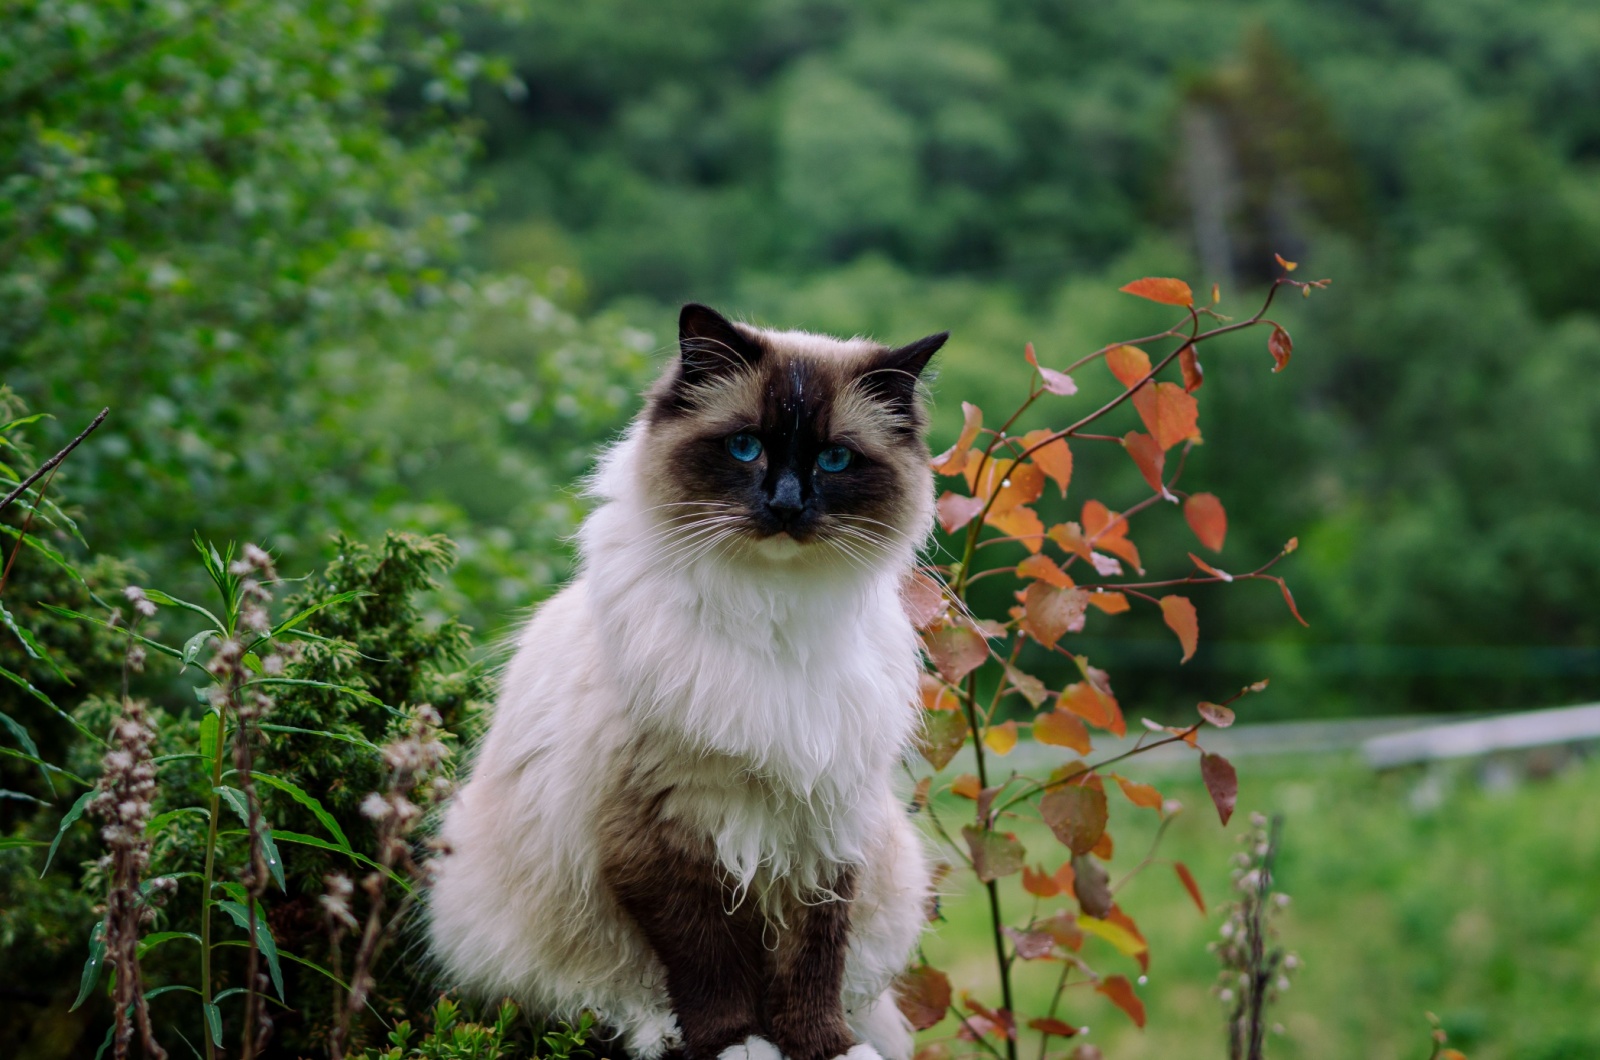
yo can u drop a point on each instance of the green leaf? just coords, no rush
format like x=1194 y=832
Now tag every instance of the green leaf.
x=264 y=941
x=359 y=741
x=10 y=753
x=23 y=421
x=16 y=842
x=304 y=798
x=66 y=822
x=322 y=844
x=193 y=646
x=21 y=733
x=269 y=850
x=91 y=967
x=24 y=684
x=46 y=551
x=210 y=730
x=155 y=645
x=365 y=697
x=158 y=597
x=150 y=942
x=34 y=649
x=213 y=1021
x=338 y=598
x=160 y=820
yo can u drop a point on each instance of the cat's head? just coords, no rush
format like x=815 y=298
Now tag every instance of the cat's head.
x=785 y=444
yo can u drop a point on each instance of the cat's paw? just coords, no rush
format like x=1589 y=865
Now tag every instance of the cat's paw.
x=757 y=1048
x=860 y=1052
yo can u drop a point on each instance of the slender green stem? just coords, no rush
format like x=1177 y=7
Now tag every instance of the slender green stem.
x=206 y=878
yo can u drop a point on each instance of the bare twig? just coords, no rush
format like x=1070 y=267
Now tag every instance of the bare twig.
x=46 y=467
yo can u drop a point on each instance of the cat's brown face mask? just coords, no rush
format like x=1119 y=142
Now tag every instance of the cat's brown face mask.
x=787 y=437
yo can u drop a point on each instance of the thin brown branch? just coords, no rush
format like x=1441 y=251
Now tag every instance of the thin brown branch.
x=50 y=464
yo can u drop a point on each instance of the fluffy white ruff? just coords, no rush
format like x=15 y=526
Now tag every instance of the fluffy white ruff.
x=754 y=1048
x=861 y=1052
x=773 y=697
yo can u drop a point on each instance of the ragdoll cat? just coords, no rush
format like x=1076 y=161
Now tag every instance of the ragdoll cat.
x=682 y=816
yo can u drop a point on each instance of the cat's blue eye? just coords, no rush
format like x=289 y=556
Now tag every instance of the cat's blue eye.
x=744 y=446
x=836 y=458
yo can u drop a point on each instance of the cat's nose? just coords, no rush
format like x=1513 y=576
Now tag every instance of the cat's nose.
x=786 y=502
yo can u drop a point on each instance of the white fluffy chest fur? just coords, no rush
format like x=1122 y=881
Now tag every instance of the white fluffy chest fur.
x=777 y=697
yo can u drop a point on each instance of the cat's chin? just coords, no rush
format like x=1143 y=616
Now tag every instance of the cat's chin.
x=779 y=548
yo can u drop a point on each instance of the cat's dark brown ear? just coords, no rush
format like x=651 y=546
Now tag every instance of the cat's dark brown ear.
x=710 y=346
x=892 y=376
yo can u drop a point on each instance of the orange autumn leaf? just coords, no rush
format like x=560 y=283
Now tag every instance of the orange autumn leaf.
x=956 y=651
x=966 y=786
x=1054 y=458
x=1021 y=485
x=1062 y=728
x=1193 y=374
x=1001 y=738
x=1094 y=706
x=1288 y=266
x=944 y=732
x=1288 y=598
x=1069 y=537
x=1187 y=879
x=1067 y=878
x=956 y=511
x=1148 y=457
x=1108 y=531
x=1215 y=572
x=1161 y=289
x=1180 y=617
x=1103 y=848
x=1039 y=883
x=1129 y=364
x=1076 y=813
x=1207 y=518
x=936 y=695
x=1280 y=345
x=1051 y=1025
x=922 y=596
x=954 y=459
x=1049 y=612
x=1022 y=523
x=1142 y=795
x=1110 y=603
x=1120 y=991
x=1044 y=569
x=1053 y=381
x=923 y=996
x=1170 y=413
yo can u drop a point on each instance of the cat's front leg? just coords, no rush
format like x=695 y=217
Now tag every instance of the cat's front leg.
x=668 y=880
x=804 y=1010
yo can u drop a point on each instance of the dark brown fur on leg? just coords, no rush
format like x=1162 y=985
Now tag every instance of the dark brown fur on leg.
x=805 y=1012
x=670 y=883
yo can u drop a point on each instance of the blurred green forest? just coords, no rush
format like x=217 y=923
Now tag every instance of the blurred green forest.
x=366 y=265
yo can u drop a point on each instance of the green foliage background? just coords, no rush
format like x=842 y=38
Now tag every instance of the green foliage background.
x=341 y=268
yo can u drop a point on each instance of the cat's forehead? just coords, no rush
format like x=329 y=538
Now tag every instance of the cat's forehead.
x=803 y=383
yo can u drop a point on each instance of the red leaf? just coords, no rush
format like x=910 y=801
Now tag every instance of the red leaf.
x=1051 y=1025
x=1187 y=879
x=1110 y=603
x=1054 y=381
x=956 y=651
x=1022 y=523
x=1288 y=598
x=1215 y=572
x=1222 y=783
x=994 y=854
x=1120 y=991
x=1049 y=612
x=1076 y=813
x=1139 y=794
x=1280 y=345
x=1181 y=618
x=1216 y=714
x=1193 y=374
x=1129 y=364
x=1063 y=927
x=1054 y=458
x=1094 y=705
x=1170 y=414
x=923 y=599
x=1060 y=728
x=1039 y=884
x=1161 y=289
x=1091 y=886
x=1046 y=570
x=1207 y=518
x=1148 y=457
x=954 y=459
x=944 y=732
x=1107 y=530
x=956 y=511
x=1031 y=945
x=923 y=995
